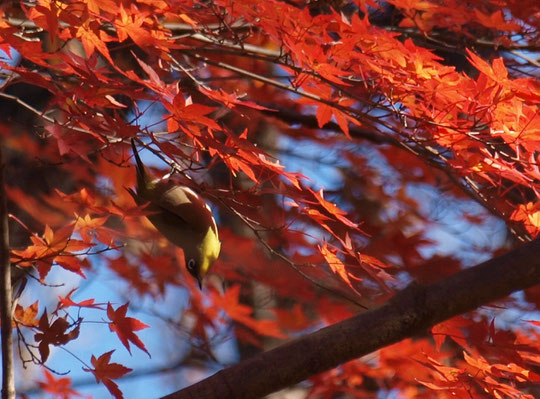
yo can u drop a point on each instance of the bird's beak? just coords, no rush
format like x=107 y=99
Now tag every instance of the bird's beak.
x=199 y=280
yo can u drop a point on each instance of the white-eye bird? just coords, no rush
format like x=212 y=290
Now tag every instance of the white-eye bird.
x=182 y=216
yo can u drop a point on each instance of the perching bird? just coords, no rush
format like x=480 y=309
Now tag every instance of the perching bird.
x=181 y=216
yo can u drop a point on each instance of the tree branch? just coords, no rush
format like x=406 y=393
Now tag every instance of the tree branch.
x=310 y=121
x=8 y=373
x=410 y=312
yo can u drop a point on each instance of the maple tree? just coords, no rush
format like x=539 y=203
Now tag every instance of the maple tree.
x=348 y=149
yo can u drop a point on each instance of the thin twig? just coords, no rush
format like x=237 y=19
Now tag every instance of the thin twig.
x=363 y=303
x=176 y=27
x=245 y=48
x=524 y=57
x=6 y=309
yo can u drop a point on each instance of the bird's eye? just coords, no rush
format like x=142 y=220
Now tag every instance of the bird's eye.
x=191 y=265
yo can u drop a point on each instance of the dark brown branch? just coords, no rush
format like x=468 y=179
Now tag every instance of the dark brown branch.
x=410 y=312
x=176 y=27
x=6 y=311
x=445 y=38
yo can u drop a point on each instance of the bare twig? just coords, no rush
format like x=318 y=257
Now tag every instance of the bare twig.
x=176 y=27
x=524 y=57
x=41 y=113
x=361 y=302
x=6 y=310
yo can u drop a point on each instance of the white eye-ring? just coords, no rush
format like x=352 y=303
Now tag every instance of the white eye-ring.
x=191 y=264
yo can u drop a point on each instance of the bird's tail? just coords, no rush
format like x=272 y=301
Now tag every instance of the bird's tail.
x=141 y=171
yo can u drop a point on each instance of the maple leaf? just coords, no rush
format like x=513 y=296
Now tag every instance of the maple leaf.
x=53 y=247
x=326 y=111
x=487 y=373
x=45 y=15
x=336 y=265
x=54 y=334
x=495 y=20
x=204 y=319
x=240 y=154
x=125 y=327
x=68 y=141
x=140 y=27
x=497 y=72
x=332 y=311
x=235 y=163
x=105 y=372
x=90 y=227
x=324 y=114
x=294 y=319
x=529 y=215
x=185 y=111
x=452 y=329
x=92 y=37
x=446 y=377
x=58 y=387
x=130 y=26
x=35 y=207
x=155 y=83
x=230 y=100
x=131 y=273
x=230 y=303
x=26 y=316
x=333 y=209
x=164 y=270
x=106 y=5
x=82 y=199
x=66 y=302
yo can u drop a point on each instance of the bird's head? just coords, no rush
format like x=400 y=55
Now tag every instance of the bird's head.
x=200 y=258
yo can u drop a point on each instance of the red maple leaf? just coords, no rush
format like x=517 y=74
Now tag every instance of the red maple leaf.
x=106 y=372
x=125 y=327
x=58 y=387
x=66 y=301
x=230 y=303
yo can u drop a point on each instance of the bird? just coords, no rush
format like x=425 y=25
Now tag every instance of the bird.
x=182 y=216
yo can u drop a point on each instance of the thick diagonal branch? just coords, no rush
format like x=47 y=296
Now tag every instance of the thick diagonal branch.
x=408 y=313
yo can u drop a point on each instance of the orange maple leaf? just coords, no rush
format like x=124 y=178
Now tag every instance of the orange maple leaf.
x=529 y=215
x=26 y=316
x=333 y=209
x=131 y=25
x=53 y=247
x=92 y=37
x=336 y=265
x=90 y=227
